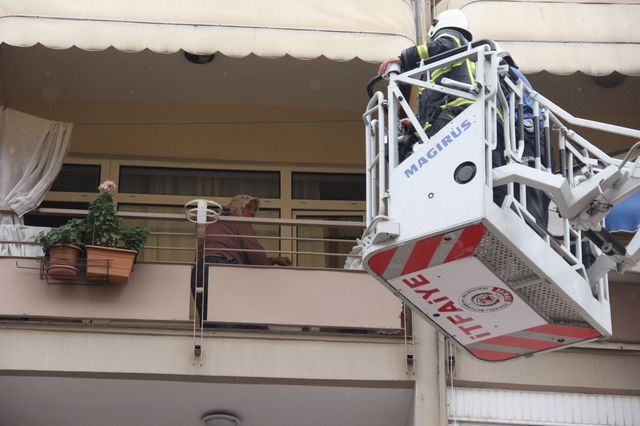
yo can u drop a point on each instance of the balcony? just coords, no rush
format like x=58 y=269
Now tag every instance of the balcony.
x=275 y=298
x=273 y=335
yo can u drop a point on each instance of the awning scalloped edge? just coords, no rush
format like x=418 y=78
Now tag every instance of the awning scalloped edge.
x=230 y=40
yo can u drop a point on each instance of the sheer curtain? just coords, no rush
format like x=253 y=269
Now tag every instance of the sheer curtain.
x=31 y=153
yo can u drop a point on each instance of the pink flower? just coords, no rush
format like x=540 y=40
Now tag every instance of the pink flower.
x=107 y=186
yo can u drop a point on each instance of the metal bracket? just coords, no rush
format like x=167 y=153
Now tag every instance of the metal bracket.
x=385 y=231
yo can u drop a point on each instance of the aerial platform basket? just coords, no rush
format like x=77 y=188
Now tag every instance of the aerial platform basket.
x=487 y=275
x=475 y=270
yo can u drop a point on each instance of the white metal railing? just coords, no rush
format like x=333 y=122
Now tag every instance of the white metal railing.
x=237 y=297
x=191 y=237
x=376 y=172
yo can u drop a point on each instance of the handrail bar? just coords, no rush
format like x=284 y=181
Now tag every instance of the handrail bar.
x=582 y=122
x=180 y=217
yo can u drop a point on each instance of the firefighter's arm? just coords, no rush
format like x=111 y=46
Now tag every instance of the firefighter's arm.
x=410 y=58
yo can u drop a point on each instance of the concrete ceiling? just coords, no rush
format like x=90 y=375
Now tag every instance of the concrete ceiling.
x=90 y=87
x=46 y=77
x=70 y=401
x=68 y=75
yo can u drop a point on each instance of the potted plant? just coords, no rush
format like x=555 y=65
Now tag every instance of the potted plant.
x=111 y=250
x=63 y=246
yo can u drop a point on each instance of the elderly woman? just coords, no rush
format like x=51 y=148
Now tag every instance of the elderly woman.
x=234 y=242
x=231 y=243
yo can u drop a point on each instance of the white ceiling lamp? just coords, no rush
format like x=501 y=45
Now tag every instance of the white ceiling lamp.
x=220 y=419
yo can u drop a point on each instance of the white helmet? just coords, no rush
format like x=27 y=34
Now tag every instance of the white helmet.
x=452 y=18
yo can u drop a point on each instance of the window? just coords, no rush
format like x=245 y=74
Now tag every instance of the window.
x=54 y=221
x=164 y=187
x=177 y=237
x=328 y=186
x=220 y=183
x=78 y=178
x=313 y=239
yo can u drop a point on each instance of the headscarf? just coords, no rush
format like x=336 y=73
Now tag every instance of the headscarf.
x=239 y=202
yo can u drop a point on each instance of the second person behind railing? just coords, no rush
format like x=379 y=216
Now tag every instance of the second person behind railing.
x=236 y=243
x=537 y=200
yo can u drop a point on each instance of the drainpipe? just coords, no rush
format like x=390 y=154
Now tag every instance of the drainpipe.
x=422 y=14
x=443 y=366
x=3 y=91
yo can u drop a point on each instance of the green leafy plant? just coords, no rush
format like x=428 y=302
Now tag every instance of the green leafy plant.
x=104 y=227
x=134 y=239
x=71 y=232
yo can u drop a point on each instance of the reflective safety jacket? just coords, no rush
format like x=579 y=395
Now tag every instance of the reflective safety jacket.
x=464 y=71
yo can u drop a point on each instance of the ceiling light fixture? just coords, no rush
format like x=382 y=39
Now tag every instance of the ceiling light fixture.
x=198 y=59
x=220 y=419
x=610 y=81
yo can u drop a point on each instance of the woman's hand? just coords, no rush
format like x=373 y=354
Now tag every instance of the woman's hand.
x=280 y=261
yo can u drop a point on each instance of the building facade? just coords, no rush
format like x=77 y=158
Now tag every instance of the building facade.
x=176 y=101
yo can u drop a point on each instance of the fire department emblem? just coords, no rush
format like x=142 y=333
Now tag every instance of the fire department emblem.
x=486 y=299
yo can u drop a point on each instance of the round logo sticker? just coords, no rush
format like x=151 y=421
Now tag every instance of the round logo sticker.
x=486 y=299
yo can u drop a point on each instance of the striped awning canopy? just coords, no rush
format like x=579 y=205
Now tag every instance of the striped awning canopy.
x=340 y=30
x=560 y=36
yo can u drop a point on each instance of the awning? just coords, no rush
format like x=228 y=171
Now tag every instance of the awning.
x=341 y=30
x=561 y=37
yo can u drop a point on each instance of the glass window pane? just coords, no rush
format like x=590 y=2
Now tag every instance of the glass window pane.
x=272 y=245
x=176 y=237
x=54 y=221
x=220 y=183
x=329 y=186
x=78 y=178
x=337 y=240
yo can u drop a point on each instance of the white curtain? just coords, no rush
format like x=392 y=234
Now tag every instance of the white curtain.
x=25 y=237
x=31 y=153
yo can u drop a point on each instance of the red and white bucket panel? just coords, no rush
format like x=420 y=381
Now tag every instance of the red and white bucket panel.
x=440 y=276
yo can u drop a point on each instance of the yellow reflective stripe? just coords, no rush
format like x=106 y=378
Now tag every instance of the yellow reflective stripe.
x=426 y=126
x=499 y=114
x=471 y=69
x=471 y=66
x=440 y=71
x=457 y=102
x=451 y=36
x=420 y=90
x=423 y=51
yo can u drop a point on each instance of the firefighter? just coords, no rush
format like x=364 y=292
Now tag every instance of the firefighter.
x=448 y=31
x=537 y=200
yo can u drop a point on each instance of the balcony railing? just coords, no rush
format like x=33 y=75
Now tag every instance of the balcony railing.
x=283 y=243
x=317 y=296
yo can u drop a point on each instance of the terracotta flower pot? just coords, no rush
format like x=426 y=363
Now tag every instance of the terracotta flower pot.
x=109 y=263
x=63 y=261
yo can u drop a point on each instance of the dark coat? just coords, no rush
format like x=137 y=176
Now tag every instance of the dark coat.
x=432 y=102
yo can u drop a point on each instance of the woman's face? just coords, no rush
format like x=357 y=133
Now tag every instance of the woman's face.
x=250 y=209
